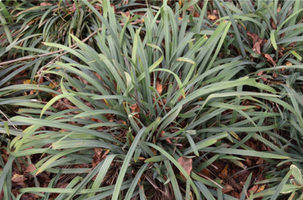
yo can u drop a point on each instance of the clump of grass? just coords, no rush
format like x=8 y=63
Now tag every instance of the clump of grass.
x=156 y=100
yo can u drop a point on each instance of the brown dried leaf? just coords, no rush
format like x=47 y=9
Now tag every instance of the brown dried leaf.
x=259 y=161
x=235 y=184
x=53 y=85
x=257 y=46
x=17 y=178
x=288 y=63
x=159 y=87
x=97 y=157
x=274 y=75
x=270 y=59
x=263 y=78
x=292 y=44
x=281 y=50
x=253 y=189
x=273 y=24
x=44 y=177
x=180 y=98
x=45 y=4
x=243 y=175
x=190 y=8
x=30 y=168
x=223 y=174
x=110 y=117
x=254 y=36
x=97 y=75
x=135 y=109
x=196 y=14
x=64 y=185
x=212 y=17
x=186 y=163
x=154 y=151
x=261 y=188
x=227 y=189
x=206 y=172
x=167 y=139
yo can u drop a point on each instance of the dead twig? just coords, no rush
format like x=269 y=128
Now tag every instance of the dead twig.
x=8 y=119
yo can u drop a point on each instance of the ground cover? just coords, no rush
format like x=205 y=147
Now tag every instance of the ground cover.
x=151 y=100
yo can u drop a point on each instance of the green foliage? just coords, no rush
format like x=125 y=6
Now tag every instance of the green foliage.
x=147 y=90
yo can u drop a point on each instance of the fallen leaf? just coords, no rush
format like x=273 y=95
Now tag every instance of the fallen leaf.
x=45 y=4
x=110 y=117
x=97 y=157
x=159 y=87
x=167 y=139
x=28 y=81
x=243 y=175
x=261 y=188
x=53 y=85
x=44 y=177
x=190 y=8
x=135 y=109
x=223 y=174
x=255 y=37
x=97 y=75
x=259 y=161
x=253 y=189
x=235 y=194
x=292 y=44
x=235 y=184
x=274 y=75
x=154 y=151
x=122 y=121
x=257 y=46
x=141 y=158
x=206 y=172
x=30 y=168
x=186 y=163
x=64 y=185
x=219 y=166
x=270 y=59
x=281 y=50
x=17 y=178
x=227 y=189
x=212 y=17
x=273 y=24
x=180 y=98
x=263 y=78
x=196 y=14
